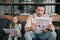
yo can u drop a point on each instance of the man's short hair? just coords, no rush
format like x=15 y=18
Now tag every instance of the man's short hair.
x=39 y=5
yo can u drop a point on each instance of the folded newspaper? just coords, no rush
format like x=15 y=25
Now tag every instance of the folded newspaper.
x=10 y=31
x=42 y=23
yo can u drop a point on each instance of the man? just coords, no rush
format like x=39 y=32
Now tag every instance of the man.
x=31 y=24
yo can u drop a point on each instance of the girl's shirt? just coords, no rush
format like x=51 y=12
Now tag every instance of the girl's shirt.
x=17 y=27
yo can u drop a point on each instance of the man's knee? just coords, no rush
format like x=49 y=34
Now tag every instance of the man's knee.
x=53 y=34
x=27 y=34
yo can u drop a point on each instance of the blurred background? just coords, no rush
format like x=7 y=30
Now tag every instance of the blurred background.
x=17 y=8
x=24 y=8
x=27 y=7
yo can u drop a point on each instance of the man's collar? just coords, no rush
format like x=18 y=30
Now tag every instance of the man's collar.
x=36 y=15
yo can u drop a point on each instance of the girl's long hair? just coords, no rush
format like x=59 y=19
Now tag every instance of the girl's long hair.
x=13 y=24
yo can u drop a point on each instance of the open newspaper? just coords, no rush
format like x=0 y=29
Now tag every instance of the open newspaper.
x=10 y=31
x=42 y=23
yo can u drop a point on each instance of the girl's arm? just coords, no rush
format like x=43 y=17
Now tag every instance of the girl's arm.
x=19 y=29
x=11 y=34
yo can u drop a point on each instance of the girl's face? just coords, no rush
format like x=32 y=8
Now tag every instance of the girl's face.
x=15 y=19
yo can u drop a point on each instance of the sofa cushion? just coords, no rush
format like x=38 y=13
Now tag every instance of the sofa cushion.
x=4 y=23
x=58 y=33
x=23 y=25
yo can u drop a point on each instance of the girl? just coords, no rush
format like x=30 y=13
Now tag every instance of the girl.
x=17 y=26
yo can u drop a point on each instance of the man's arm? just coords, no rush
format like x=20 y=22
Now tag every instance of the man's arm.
x=28 y=24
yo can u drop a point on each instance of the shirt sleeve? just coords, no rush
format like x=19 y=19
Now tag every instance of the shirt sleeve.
x=28 y=23
x=30 y=20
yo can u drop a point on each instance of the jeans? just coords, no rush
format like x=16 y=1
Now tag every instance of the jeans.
x=43 y=36
x=15 y=38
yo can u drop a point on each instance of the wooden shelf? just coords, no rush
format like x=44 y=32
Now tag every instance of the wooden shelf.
x=29 y=3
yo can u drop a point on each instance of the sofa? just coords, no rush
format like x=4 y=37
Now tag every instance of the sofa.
x=4 y=23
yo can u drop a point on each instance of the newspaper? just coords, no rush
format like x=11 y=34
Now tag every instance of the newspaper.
x=10 y=30
x=42 y=23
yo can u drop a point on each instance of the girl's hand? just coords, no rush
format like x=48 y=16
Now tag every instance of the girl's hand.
x=12 y=35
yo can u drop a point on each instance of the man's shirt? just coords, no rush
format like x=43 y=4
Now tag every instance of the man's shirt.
x=31 y=19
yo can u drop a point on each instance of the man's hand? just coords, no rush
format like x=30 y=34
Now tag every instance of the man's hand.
x=44 y=30
x=28 y=28
x=51 y=27
x=33 y=25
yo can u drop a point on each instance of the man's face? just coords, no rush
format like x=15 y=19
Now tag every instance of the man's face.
x=40 y=11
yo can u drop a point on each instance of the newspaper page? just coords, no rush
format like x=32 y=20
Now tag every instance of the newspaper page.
x=10 y=30
x=42 y=23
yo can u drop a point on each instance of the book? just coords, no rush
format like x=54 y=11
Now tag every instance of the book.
x=10 y=31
